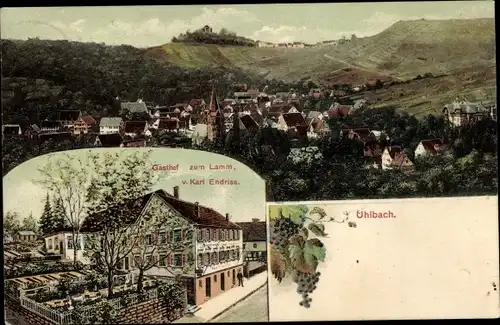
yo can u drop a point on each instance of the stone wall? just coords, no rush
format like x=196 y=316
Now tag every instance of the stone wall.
x=24 y=315
x=149 y=312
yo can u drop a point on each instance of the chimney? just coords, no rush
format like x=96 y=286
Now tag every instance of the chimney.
x=255 y=219
x=227 y=216
x=176 y=192
x=197 y=208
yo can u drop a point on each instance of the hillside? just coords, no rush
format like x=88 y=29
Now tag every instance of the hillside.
x=404 y=50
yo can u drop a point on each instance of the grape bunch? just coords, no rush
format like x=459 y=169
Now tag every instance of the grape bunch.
x=306 y=284
x=283 y=229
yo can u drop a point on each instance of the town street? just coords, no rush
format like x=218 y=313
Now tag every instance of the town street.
x=252 y=309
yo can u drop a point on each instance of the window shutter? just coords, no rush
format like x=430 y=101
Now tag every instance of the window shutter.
x=167 y=236
x=183 y=235
x=183 y=259
x=169 y=259
x=217 y=234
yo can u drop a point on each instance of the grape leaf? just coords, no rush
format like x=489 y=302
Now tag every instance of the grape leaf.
x=299 y=261
x=315 y=248
x=318 y=211
x=297 y=240
x=296 y=213
x=318 y=229
x=278 y=266
x=274 y=212
x=304 y=233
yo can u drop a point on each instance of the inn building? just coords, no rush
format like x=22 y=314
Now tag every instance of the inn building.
x=203 y=250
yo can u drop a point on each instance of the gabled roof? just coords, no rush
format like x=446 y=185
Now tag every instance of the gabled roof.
x=362 y=133
x=432 y=146
x=196 y=102
x=89 y=120
x=314 y=114
x=69 y=115
x=110 y=140
x=397 y=154
x=168 y=124
x=195 y=213
x=134 y=126
x=110 y=122
x=248 y=122
x=254 y=230
x=294 y=119
x=134 y=107
x=339 y=111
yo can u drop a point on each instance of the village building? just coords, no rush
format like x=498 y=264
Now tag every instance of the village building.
x=137 y=107
x=247 y=123
x=254 y=246
x=395 y=157
x=460 y=113
x=108 y=140
x=134 y=128
x=66 y=118
x=109 y=125
x=50 y=126
x=83 y=125
x=204 y=251
x=290 y=121
x=32 y=131
x=197 y=105
x=372 y=151
x=61 y=243
x=429 y=147
x=11 y=129
x=25 y=236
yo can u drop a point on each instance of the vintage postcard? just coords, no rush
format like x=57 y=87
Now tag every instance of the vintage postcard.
x=384 y=259
x=134 y=236
x=240 y=105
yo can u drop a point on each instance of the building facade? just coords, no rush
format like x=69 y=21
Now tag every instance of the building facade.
x=61 y=243
x=196 y=246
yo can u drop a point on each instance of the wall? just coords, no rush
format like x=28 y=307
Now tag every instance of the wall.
x=25 y=316
x=149 y=312
x=215 y=285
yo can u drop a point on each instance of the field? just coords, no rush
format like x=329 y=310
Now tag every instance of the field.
x=462 y=52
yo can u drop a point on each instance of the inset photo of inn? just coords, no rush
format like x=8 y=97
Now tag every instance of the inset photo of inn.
x=105 y=230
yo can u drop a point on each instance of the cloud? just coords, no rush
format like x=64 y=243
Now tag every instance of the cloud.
x=156 y=31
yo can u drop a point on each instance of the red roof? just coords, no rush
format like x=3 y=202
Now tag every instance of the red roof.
x=432 y=146
x=89 y=120
x=196 y=102
x=254 y=231
x=134 y=126
x=361 y=133
x=195 y=213
x=398 y=156
x=168 y=124
x=339 y=110
x=294 y=119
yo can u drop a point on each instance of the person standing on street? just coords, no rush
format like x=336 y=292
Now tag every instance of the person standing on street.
x=240 y=279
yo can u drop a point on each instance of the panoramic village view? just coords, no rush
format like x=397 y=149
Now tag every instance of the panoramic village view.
x=400 y=105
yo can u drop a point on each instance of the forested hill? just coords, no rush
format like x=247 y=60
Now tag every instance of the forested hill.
x=40 y=77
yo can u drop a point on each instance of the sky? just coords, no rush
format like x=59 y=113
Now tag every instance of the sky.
x=243 y=202
x=146 y=26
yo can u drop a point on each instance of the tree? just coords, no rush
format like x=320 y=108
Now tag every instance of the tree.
x=67 y=178
x=11 y=224
x=47 y=220
x=29 y=223
x=120 y=179
x=58 y=220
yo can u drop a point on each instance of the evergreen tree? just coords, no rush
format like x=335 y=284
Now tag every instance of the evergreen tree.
x=57 y=215
x=47 y=220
